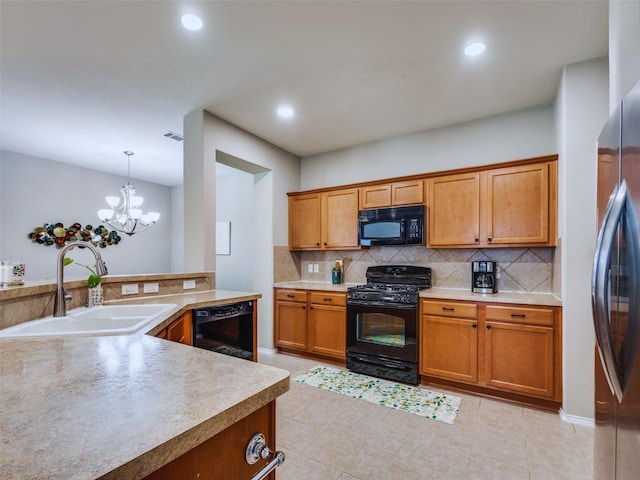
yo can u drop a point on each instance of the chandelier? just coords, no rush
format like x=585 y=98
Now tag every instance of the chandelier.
x=125 y=214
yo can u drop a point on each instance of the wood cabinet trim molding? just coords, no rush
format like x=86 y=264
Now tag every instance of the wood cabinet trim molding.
x=426 y=175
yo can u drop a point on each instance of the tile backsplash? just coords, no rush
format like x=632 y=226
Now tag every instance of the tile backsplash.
x=521 y=269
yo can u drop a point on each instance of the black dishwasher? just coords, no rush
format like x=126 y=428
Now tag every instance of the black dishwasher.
x=225 y=329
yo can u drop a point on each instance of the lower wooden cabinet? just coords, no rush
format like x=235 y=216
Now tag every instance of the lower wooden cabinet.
x=311 y=321
x=180 y=330
x=504 y=349
x=449 y=341
x=223 y=456
x=519 y=346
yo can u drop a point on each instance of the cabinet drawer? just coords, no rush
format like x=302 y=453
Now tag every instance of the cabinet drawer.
x=450 y=309
x=326 y=298
x=292 y=295
x=528 y=315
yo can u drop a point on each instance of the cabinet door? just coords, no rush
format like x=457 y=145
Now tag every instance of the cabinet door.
x=304 y=222
x=375 y=196
x=328 y=330
x=449 y=348
x=290 y=326
x=340 y=219
x=516 y=205
x=180 y=330
x=454 y=210
x=409 y=192
x=222 y=457
x=519 y=358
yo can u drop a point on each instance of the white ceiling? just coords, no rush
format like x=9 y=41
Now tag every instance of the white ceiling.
x=81 y=81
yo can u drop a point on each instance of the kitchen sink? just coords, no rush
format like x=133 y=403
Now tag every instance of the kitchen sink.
x=101 y=320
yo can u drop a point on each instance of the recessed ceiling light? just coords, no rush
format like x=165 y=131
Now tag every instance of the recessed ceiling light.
x=474 y=49
x=191 y=21
x=285 y=112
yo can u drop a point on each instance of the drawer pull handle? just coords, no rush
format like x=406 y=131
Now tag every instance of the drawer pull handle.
x=328 y=299
x=257 y=449
x=448 y=309
x=290 y=296
x=517 y=315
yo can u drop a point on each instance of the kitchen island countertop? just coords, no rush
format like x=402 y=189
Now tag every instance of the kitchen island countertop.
x=87 y=407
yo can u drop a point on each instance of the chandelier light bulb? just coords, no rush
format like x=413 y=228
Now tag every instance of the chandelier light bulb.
x=125 y=214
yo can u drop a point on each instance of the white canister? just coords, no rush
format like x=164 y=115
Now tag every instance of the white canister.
x=11 y=273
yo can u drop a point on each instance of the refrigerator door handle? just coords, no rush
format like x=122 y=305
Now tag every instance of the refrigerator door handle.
x=601 y=288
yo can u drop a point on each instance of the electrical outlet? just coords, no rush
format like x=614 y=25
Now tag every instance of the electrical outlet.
x=311 y=268
x=188 y=284
x=497 y=272
x=130 y=289
x=315 y=268
x=151 y=288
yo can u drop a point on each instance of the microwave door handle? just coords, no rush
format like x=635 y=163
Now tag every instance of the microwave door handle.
x=601 y=288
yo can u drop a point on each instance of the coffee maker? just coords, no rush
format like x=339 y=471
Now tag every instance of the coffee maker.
x=483 y=277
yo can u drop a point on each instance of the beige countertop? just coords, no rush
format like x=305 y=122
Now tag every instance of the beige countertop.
x=525 y=298
x=83 y=407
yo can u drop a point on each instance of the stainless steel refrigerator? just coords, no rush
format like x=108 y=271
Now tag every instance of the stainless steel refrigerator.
x=616 y=296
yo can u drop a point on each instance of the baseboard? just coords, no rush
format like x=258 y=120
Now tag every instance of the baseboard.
x=584 y=421
x=267 y=351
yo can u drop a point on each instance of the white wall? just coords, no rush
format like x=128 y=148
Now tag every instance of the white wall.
x=582 y=110
x=35 y=191
x=624 y=48
x=235 y=204
x=515 y=135
x=277 y=172
x=177 y=229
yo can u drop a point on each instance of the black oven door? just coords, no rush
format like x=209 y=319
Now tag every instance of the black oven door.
x=383 y=331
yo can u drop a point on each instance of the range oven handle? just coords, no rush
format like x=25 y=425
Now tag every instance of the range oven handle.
x=395 y=306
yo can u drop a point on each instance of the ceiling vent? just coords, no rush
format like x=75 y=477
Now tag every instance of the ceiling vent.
x=174 y=136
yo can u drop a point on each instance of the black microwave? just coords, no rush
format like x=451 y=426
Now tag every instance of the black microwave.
x=391 y=226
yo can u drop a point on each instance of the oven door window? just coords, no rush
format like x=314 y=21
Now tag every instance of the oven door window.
x=381 y=329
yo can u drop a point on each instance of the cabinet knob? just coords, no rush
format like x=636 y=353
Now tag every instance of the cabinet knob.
x=476 y=240
x=475 y=325
x=490 y=239
x=304 y=307
x=311 y=308
x=317 y=244
x=488 y=327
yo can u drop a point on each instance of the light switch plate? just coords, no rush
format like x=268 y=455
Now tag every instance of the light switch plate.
x=151 y=288
x=130 y=289
x=311 y=268
x=188 y=284
x=315 y=268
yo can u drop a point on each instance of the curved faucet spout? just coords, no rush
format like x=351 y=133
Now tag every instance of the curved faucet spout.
x=60 y=301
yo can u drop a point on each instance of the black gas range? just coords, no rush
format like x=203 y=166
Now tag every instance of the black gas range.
x=391 y=285
x=382 y=322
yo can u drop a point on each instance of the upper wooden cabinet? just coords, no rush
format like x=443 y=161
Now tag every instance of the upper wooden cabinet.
x=409 y=192
x=500 y=207
x=324 y=221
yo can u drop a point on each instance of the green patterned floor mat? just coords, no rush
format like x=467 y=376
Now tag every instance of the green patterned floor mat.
x=425 y=403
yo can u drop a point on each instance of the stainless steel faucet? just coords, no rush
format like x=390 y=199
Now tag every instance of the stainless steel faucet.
x=60 y=302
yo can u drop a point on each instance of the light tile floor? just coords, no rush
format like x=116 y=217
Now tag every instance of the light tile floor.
x=328 y=436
